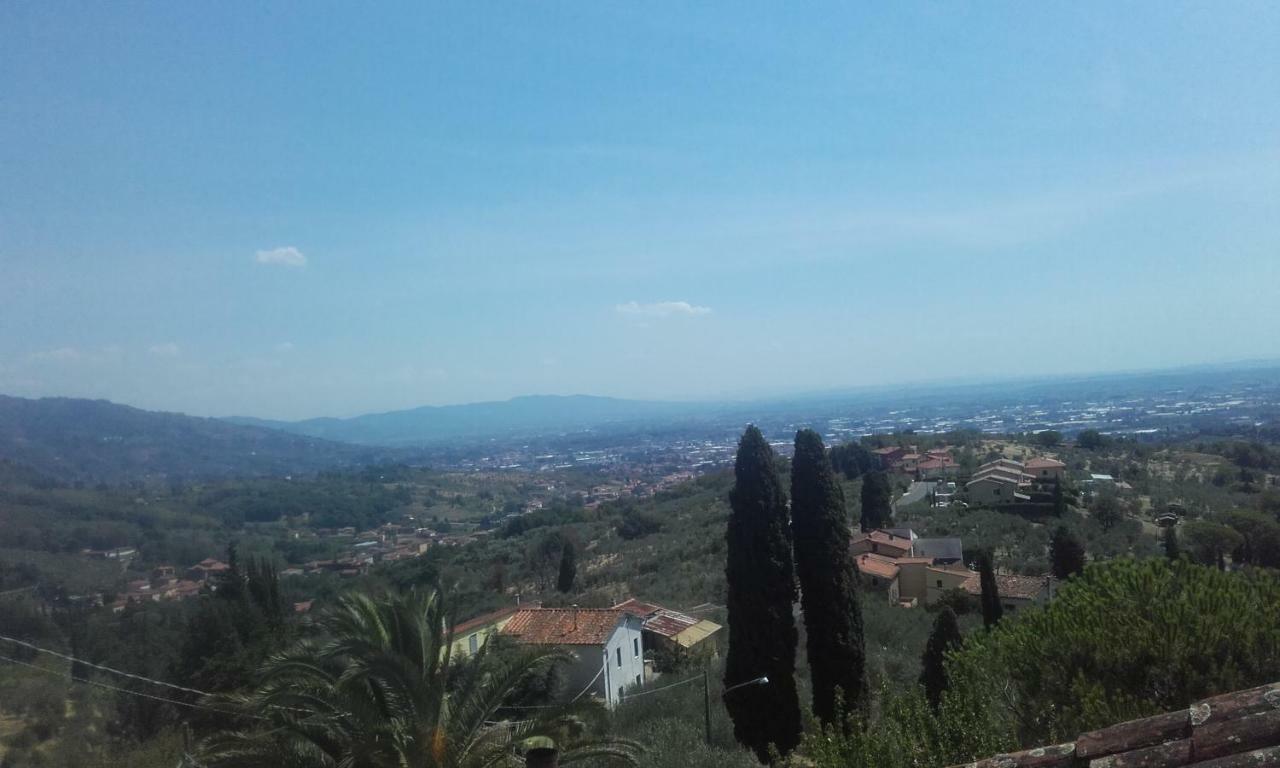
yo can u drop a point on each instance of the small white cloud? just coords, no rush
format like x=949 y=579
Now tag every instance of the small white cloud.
x=61 y=354
x=661 y=309
x=168 y=349
x=285 y=255
x=285 y=346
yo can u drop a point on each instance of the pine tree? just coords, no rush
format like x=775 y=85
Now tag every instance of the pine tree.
x=761 y=590
x=828 y=580
x=1171 y=548
x=992 y=610
x=877 y=500
x=1066 y=553
x=945 y=638
x=568 y=568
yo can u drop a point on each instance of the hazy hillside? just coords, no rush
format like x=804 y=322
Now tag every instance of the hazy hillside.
x=100 y=441
x=521 y=415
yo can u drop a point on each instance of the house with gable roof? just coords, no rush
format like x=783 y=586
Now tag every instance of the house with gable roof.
x=605 y=645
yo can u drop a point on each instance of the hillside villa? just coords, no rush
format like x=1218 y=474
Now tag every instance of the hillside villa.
x=605 y=645
x=934 y=464
x=1006 y=482
x=909 y=569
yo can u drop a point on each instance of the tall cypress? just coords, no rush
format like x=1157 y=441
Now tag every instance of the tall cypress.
x=944 y=639
x=761 y=582
x=568 y=568
x=1066 y=553
x=828 y=579
x=877 y=501
x=992 y=610
x=1171 y=548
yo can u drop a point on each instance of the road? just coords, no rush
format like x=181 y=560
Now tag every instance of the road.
x=916 y=492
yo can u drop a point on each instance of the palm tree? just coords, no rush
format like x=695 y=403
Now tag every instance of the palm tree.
x=378 y=690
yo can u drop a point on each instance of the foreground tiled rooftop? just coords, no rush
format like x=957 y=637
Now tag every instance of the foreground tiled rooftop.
x=1233 y=730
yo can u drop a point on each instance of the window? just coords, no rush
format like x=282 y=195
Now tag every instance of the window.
x=473 y=643
x=619 y=693
x=637 y=679
x=636 y=644
x=939 y=583
x=619 y=651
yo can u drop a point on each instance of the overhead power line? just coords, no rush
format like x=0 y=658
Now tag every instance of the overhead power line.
x=663 y=688
x=102 y=668
x=129 y=675
x=117 y=689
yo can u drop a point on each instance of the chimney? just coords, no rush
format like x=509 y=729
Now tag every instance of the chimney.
x=575 y=617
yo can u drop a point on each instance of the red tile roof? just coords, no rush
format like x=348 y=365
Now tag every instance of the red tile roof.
x=1044 y=463
x=884 y=537
x=875 y=565
x=1009 y=585
x=1234 y=729
x=563 y=626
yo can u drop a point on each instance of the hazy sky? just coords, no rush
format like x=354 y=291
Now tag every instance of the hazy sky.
x=312 y=209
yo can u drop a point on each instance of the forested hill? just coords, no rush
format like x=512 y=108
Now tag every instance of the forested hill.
x=522 y=415
x=100 y=441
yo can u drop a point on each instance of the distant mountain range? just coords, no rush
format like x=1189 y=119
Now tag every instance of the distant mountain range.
x=98 y=441
x=95 y=440
x=531 y=415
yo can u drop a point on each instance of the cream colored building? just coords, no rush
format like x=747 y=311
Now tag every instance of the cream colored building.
x=470 y=636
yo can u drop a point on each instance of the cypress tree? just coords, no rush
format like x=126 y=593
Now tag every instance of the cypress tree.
x=231 y=585
x=761 y=590
x=877 y=500
x=79 y=669
x=828 y=579
x=1059 y=499
x=992 y=610
x=1066 y=553
x=1171 y=548
x=568 y=568
x=945 y=638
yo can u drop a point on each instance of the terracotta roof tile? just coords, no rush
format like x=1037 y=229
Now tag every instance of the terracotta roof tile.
x=1234 y=729
x=875 y=565
x=563 y=626
x=884 y=537
x=1044 y=463
x=1009 y=585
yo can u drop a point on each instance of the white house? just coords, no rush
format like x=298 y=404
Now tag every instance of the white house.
x=606 y=646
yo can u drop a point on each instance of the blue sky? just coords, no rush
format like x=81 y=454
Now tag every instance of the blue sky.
x=304 y=209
